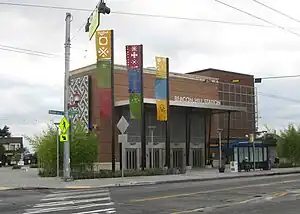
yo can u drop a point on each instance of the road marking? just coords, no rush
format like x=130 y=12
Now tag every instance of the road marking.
x=75 y=196
x=78 y=187
x=217 y=206
x=110 y=210
x=73 y=202
x=83 y=201
x=208 y=191
x=75 y=192
x=55 y=209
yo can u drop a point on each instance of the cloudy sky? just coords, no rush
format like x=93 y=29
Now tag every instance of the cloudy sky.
x=30 y=85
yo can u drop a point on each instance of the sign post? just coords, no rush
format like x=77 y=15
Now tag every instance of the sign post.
x=123 y=138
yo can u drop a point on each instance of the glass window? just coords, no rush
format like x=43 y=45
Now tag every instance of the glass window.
x=265 y=154
x=250 y=99
x=235 y=154
x=226 y=96
x=256 y=157
x=241 y=154
x=251 y=154
x=232 y=88
x=225 y=87
x=243 y=90
x=221 y=96
x=232 y=97
x=260 y=155
x=244 y=99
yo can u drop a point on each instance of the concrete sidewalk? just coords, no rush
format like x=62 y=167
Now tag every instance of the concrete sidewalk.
x=10 y=179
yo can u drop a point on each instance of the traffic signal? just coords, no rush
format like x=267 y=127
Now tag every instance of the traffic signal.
x=102 y=8
x=87 y=25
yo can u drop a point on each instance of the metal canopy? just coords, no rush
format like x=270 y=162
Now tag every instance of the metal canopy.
x=218 y=108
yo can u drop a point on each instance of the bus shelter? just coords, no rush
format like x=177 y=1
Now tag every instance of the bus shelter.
x=243 y=150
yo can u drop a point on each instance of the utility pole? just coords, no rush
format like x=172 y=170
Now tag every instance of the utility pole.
x=67 y=169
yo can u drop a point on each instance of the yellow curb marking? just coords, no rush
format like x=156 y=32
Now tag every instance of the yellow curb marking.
x=279 y=194
x=79 y=187
x=5 y=188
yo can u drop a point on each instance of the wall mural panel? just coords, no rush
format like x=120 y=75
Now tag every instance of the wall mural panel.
x=80 y=85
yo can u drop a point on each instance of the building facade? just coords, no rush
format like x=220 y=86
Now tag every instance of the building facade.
x=198 y=102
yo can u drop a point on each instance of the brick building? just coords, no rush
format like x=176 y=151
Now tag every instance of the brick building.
x=200 y=102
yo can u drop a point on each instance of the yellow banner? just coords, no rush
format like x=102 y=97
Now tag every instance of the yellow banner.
x=103 y=44
x=161 y=109
x=161 y=67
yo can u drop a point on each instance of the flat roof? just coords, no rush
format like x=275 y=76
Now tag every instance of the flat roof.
x=218 y=70
x=189 y=104
x=152 y=71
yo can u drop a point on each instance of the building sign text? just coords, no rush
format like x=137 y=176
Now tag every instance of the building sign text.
x=196 y=100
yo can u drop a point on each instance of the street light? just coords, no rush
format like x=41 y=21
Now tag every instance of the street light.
x=77 y=99
x=219 y=131
x=152 y=128
x=252 y=140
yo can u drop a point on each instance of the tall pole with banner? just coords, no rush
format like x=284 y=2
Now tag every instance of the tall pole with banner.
x=105 y=84
x=163 y=99
x=134 y=62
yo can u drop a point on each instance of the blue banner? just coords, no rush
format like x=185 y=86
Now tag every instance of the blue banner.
x=134 y=81
x=160 y=89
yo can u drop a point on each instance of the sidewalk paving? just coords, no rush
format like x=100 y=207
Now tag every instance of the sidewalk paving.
x=11 y=179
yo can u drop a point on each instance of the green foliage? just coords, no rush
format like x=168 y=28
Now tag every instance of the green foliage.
x=2 y=150
x=288 y=145
x=92 y=173
x=83 y=148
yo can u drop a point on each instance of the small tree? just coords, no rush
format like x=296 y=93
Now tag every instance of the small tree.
x=289 y=144
x=83 y=148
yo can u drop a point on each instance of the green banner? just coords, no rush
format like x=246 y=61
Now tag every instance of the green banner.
x=103 y=74
x=135 y=106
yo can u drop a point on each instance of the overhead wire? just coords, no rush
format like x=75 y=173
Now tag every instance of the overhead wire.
x=257 y=17
x=136 y=14
x=278 y=97
x=27 y=50
x=24 y=52
x=277 y=11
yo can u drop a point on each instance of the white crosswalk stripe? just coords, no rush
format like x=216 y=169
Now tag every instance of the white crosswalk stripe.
x=75 y=202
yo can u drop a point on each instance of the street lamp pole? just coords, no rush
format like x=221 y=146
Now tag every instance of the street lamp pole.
x=220 y=147
x=152 y=128
x=66 y=93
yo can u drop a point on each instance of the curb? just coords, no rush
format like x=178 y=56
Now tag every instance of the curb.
x=148 y=183
x=46 y=188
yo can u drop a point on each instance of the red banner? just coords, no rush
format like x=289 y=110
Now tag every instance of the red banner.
x=105 y=102
x=134 y=56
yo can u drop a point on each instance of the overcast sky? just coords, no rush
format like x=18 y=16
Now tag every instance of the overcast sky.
x=30 y=85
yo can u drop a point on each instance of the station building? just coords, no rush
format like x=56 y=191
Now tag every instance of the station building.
x=201 y=102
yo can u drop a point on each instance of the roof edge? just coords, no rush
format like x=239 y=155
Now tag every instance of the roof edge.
x=149 y=71
x=219 y=70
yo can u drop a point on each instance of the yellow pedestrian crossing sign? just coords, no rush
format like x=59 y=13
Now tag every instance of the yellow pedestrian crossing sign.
x=64 y=125
x=63 y=137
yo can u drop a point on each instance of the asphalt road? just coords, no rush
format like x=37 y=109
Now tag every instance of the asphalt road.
x=260 y=195
x=16 y=201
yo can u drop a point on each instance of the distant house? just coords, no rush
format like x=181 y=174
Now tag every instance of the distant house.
x=13 y=147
